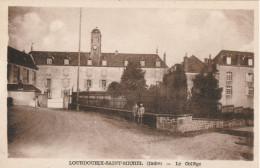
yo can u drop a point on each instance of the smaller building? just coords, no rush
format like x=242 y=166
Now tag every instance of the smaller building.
x=21 y=77
x=191 y=66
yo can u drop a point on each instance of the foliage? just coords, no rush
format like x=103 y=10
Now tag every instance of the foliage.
x=205 y=95
x=114 y=89
x=133 y=84
x=179 y=90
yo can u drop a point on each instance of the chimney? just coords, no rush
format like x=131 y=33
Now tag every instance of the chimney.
x=32 y=47
x=157 y=50
x=210 y=64
x=116 y=52
x=186 y=63
x=164 y=57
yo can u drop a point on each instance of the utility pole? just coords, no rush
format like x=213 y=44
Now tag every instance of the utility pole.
x=78 y=62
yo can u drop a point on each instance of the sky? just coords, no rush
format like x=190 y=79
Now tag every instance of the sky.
x=198 y=32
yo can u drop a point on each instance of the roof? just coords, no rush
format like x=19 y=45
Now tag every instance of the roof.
x=20 y=58
x=96 y=30
x=195 y=65
x=24 y=88
x=238 y=58
x=113 y=59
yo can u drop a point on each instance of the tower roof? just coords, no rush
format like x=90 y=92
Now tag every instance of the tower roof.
x=96 y=30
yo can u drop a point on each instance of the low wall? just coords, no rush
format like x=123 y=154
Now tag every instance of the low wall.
x=21 y=98
x=148 y=119
x=173 y=123
x=189 y=124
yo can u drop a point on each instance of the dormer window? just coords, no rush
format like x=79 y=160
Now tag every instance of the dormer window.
x=142 y=63
x=228 y=60
x=89 y=62
x=49 y=61
x=125 y=63
x=250 y=62
x=104 y=62
x=66 y=61
x=157 y=63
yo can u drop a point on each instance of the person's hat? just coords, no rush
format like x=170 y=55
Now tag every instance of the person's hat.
x=141 y=104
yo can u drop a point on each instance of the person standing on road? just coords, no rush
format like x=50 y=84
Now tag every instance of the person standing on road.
x=135 y=110
x=141 y=111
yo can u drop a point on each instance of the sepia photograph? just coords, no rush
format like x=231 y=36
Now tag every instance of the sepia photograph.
x=131 y=83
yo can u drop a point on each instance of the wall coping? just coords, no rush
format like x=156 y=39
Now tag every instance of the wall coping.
x=128 y=111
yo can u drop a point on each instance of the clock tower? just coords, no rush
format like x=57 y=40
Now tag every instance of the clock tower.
x=95 y=50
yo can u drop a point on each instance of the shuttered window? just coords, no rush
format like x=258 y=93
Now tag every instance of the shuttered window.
x=249 y=77
x=229 y=90
x=249 y=91
x=229 y=76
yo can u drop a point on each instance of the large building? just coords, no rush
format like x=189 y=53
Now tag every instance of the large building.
x=57 y=74
x=21 y=77
x=235 y=73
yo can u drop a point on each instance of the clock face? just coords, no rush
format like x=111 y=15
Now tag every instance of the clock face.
x=94 y=47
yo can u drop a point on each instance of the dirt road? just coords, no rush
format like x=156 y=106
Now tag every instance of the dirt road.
x=50 y=133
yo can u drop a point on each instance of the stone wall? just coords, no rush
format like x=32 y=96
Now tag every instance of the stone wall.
x=187 y=124
x=173 y=123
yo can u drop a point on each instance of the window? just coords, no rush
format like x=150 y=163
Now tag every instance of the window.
x=157 y=63
x=89 y=62
x=228 y=60
x=49 y=61
x=88 y=83
x=18 y=74
x=8 y=71
x=250 y=91
x=250 y=62
x=229 y=90
x=142 y=63
x=49 y=88
x=249 y=77
x=28 y=73
x=125 y=63
x=48 y=84
x=66 y=61
x=104 y=83
x=104 y=62
x=229 y=76
x=34 y=77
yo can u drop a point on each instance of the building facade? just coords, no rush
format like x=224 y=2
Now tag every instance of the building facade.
x=57 y=74
x=235 y=73
x=21 y=77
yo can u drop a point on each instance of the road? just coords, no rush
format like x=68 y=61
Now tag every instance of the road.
x=52 y=133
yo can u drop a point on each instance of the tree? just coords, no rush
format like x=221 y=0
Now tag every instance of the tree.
x=205 y=95
x=179 y=90
x=133 y=84
x=114 y=89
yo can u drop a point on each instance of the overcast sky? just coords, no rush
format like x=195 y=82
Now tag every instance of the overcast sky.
x=175 y=31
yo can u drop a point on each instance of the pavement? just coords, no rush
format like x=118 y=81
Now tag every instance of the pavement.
x=53 y=133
